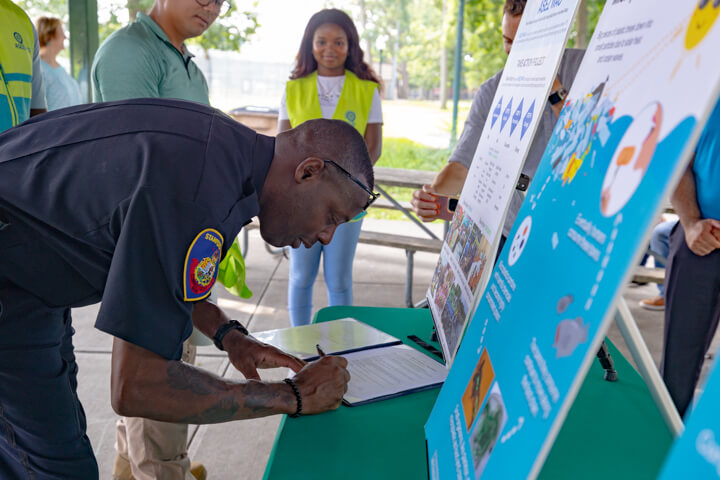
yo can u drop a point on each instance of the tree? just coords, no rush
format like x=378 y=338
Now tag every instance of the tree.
x=227 y=33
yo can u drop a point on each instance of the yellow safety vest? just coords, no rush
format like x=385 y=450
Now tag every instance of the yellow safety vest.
x=303 y=103
x=17 y=45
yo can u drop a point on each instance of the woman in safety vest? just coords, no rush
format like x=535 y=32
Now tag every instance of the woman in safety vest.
x=330 y=80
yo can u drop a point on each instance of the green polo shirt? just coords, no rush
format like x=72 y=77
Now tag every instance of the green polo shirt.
x=138 y=61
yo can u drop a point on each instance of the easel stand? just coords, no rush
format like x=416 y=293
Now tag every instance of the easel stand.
x=646 y=366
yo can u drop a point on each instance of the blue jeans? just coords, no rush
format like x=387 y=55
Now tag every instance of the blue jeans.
x=660 y=244
x=338 y=258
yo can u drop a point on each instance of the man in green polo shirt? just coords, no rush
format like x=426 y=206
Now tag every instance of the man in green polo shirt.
x=148 y=58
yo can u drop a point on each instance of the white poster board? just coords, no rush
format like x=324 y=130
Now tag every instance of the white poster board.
x=468 y=251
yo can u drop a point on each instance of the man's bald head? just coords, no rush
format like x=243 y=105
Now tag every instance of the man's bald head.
x=333 y=140
x=305 y=197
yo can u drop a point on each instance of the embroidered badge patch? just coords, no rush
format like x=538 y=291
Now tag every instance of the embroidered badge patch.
x=201 y=264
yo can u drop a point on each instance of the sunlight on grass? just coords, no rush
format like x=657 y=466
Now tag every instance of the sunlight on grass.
x=404 y=153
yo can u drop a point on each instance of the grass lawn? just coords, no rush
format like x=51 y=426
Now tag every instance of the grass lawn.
x=404 y=153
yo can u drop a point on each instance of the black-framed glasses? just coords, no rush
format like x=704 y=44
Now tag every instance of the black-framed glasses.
x=373 y=195
x=223 y=6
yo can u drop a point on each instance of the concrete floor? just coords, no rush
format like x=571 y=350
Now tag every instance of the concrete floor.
x=241 y=449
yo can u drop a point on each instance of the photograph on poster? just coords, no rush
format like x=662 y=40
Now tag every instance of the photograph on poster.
x=477 y=388
x=487 y=430
x=470 y=248
x=449 y=302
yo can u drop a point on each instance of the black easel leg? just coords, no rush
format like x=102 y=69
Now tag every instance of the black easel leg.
x=607 y=363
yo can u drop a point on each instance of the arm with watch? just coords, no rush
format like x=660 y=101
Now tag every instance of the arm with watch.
x=145 y=384
x=431 y=202
x=557 y=97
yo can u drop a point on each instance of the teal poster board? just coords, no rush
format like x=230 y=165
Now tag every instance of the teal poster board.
x=629 y=125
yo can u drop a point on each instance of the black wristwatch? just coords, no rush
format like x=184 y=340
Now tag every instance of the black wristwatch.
x=225 y=329
x=557 y=96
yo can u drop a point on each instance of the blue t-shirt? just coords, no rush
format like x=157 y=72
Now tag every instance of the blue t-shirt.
x=707 y=167
x=61 y=90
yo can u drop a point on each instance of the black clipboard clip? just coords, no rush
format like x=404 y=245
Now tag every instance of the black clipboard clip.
x=422 y=343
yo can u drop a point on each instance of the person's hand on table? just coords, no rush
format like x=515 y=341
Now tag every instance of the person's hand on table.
x=247 y=354
x=703 y=236
x=322 y=384
x=424 y=204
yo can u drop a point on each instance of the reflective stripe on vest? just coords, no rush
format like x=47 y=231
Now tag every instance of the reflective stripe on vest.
x=17 y=44
x=303 y=103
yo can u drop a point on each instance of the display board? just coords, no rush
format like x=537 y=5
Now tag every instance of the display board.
x=468 y=251
x=636 y=109
x=696 y=454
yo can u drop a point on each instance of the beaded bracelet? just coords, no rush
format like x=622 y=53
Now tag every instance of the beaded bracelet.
x=290 y=382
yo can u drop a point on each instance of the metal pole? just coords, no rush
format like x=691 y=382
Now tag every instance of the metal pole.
x=640 y=353
x=457 y=70
x=409 y=277
x=83 y=42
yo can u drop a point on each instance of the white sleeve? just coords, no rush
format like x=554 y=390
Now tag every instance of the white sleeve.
x=38 y=90
x=375 y=115
x=282 y=114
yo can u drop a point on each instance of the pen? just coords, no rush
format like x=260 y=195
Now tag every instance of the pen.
x=319 y=350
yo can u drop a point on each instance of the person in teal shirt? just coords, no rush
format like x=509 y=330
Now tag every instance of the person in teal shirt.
x=142 y=61
x=61 y=90
x=149 y=59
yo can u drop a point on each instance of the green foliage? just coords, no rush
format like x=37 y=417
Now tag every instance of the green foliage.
x=229 y=32
x=36 y=8
x=404 y=153
x=482 y=41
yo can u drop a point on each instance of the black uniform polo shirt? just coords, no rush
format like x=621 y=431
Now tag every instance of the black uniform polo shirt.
x=105 y=201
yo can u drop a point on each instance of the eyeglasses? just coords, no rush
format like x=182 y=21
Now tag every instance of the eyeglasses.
x=223 y=6
x=373 y=195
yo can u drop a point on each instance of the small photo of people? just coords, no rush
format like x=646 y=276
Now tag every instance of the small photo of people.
x=449 y=302
x=469 y=246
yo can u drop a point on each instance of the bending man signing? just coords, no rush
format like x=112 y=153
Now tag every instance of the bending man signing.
x=133 y=204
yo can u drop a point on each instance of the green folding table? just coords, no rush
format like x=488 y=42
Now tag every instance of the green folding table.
x=613 y=430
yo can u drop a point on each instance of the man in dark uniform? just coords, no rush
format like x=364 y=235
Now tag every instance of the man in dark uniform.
x=133 y=204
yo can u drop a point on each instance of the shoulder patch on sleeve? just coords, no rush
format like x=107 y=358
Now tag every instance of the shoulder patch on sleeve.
x=201 y=264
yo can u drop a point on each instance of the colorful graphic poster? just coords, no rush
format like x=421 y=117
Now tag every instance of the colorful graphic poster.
x=696 y=454
x=469 y=251
x=647 y=84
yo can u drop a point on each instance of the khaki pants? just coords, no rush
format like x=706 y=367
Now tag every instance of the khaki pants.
x=156 y=450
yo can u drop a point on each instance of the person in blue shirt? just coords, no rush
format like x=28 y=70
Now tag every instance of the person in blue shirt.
x=61 y=90
x=692 y=289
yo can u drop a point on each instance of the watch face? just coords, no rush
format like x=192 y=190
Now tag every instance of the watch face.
x=557 y=96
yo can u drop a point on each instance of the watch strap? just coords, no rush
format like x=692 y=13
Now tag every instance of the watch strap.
x=225 y=329
x=557 y=96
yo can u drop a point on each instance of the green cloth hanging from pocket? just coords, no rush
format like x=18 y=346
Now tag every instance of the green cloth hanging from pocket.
x=231 y=272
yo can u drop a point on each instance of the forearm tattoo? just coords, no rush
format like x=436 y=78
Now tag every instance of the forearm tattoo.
x=260 y=399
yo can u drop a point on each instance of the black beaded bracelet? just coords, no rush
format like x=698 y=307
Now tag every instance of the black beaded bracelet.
x=290 y=382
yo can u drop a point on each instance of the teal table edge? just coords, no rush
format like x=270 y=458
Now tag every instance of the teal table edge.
x=613 y=430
